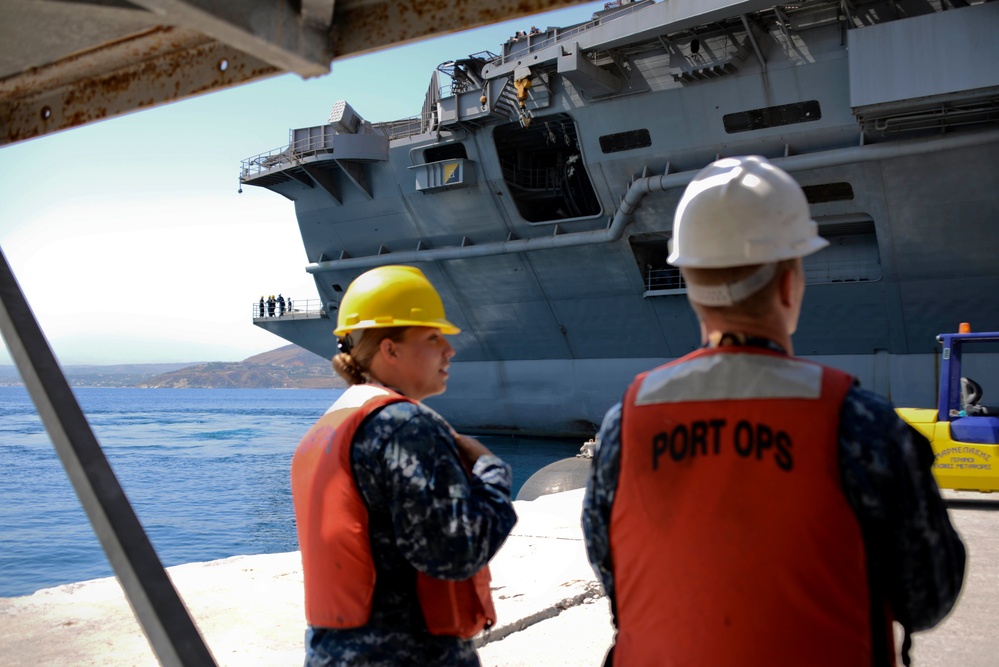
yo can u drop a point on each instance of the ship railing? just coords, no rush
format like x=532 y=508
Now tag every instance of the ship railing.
x=299 y=309
x=293 y=153
x=281 y=158
x=532 y=179
x=818 y=271
x=664 y=279
x=290 y=155
x=407 y=127
x=518 y=48
x=278 y=158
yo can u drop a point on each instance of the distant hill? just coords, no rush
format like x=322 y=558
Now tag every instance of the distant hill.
x=119 y=375
x=288 y=367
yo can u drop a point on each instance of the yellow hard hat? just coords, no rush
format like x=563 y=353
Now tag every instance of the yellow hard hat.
x=391 y=296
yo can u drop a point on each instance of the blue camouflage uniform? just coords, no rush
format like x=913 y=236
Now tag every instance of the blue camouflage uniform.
x=425 y=513
x=915 y=557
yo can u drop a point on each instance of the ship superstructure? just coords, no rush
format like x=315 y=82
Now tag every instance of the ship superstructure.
x=537 y=189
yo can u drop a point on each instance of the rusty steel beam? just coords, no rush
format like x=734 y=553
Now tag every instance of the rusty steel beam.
x=172 y=49
x=171 y=633
x=272 y=30
x=318 y=12
x=362 y=26
x=161 y=65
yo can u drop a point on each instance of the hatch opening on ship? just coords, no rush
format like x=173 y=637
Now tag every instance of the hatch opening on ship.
x=543 y=168
x=651 y=251
x=851 y=257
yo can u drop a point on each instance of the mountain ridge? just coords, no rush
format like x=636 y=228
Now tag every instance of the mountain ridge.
x=287 y=367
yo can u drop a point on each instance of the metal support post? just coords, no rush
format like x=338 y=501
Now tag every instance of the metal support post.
x=169 y=628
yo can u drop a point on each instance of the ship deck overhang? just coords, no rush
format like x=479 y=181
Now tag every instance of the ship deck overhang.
x=314 y=333
x=930 y=84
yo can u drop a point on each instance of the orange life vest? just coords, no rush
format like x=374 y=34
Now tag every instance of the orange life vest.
x=332 y=523
x=732 y=541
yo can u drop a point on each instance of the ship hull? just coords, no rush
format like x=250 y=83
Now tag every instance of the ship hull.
x=569 y=397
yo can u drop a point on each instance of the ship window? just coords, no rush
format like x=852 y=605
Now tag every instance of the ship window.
x=825 y=192
x=450 y=151
x=544 y=170
x=785 y=114
x=625 y=141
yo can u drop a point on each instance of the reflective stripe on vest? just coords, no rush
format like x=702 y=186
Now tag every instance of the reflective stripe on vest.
x=731 y=538
x=332 y=523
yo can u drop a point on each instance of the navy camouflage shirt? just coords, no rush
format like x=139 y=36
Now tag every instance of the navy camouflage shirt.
x=915 y=557
x=425 y=513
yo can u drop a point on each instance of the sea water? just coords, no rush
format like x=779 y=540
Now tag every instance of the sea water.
x=206 y=470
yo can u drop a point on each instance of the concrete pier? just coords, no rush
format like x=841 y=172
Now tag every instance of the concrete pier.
x=551 y=610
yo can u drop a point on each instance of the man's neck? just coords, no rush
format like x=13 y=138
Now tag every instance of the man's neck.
x=771 y=329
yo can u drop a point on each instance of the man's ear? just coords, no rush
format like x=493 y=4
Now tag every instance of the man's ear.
x=786 y=285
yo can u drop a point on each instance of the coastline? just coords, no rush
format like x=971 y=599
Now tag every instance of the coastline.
x=550 y=608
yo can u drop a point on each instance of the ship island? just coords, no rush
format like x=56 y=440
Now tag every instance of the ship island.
x=536 y=188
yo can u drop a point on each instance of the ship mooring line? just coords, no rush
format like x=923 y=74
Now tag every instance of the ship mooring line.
x=594 y=591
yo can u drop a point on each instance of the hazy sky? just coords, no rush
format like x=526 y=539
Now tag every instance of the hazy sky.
x=129 y=238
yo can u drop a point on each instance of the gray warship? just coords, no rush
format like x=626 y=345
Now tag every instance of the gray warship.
x=537 y=186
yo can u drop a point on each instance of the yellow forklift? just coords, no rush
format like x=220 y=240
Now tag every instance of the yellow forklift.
x=963 y=433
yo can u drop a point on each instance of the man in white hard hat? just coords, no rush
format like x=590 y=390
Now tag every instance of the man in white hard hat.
x=747 y=507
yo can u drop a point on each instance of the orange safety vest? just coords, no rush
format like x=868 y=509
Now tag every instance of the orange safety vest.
x=732 y=541
x=332 y=522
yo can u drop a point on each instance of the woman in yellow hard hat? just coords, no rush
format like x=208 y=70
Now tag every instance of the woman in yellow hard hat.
x=397 y=514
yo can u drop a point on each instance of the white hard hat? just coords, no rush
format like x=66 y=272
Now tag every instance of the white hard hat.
x=741 y=211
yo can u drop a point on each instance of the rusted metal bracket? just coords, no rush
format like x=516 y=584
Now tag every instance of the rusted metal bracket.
x=290 y=39
x=169 y=628
x=161 y=65
x=64 y=64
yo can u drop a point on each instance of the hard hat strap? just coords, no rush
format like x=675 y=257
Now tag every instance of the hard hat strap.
x=730 y=294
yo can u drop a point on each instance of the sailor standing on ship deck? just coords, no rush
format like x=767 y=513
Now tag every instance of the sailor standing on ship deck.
x=397 y=514
x=746 y=507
